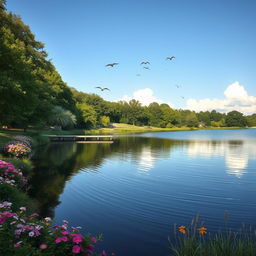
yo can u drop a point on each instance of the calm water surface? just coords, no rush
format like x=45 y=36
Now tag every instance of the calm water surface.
x=135 y=189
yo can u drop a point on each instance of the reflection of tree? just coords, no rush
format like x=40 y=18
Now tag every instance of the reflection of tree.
x=56 y=163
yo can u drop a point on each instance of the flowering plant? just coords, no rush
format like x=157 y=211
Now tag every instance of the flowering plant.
x=10 y=175
x=25 y=140
x=18 y=150
x=23 y=234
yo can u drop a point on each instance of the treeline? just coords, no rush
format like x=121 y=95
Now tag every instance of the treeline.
x=33 y=93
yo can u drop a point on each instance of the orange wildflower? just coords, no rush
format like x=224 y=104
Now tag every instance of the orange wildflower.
x=182 y=229
x=202 y=230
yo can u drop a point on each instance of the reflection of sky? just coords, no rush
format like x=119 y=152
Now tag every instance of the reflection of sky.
x=236 y=155
x=146 y=160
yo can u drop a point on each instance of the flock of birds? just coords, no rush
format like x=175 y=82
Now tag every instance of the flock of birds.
x=145 y=67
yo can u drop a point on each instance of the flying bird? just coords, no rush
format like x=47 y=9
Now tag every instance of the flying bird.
x=111 y=64
x=102 y=89
x=182 y=97
x=137 y=74
x=145 y=63
x=147 y=68
x=170 y=58
x=178 y=85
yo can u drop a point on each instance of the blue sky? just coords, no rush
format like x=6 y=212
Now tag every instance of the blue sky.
x=214 y=43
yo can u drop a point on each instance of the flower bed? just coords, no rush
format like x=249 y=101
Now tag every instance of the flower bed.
x=18 y=150
x=12 y=176
x=23 y=234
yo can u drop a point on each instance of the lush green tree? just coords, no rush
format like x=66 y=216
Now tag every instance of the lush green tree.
x=216 y=116
x=251 y=120
x=61 y=117
x=204 y=117
x=235 y=118
x=189 y=118
x=87 y=115
x=29 y=84
x=156 y=115
x=105 y=121
x=134 y=111
x=170 y=116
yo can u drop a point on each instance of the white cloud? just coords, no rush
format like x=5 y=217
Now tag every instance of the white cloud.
x=236 y=98
x=144 y=96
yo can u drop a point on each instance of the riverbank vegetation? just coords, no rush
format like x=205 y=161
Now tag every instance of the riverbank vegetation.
x=22 y=230
x=196 y=240
x=35 y=96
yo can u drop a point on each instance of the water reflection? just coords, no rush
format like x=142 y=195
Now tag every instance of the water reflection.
x=146 y=159
x=236 y=153
x=56 y=163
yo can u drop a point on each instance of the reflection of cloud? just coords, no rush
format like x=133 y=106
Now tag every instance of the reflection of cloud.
x=236 y=164
x=146 y=160
x=236 y=155
x=205 y=149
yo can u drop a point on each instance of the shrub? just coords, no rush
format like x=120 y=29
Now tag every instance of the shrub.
x=23 y=234
x=23 y=164
x=17 y=197
x=18 y=150
x=10 y=175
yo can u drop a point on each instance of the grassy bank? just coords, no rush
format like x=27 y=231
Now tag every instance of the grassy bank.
x=37 y=139
x=117 y=129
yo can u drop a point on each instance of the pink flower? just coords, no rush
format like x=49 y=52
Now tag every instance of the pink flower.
x=2 y=220
x=77 y=238
x=94 y=240
x=43 y=246
x=64 y=239
x=17 y=244
x=103 y=253
x=64 y=233
x=76 y=249
x=58 y=240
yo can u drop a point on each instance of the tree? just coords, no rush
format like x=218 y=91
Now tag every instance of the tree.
x=61 y=117
x=87 y=115
x=204 y=117
x=235 y=118
x=155 y=115
x=189 y=118
x=105 y=121
x=251 y=120
x=29 y=84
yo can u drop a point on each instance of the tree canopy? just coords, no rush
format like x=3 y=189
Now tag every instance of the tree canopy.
x=33 y=93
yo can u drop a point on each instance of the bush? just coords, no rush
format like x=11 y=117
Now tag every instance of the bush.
x=18 y=198
x=23 y=164
x=25 y=234
x=18 y=150
x=10 y=175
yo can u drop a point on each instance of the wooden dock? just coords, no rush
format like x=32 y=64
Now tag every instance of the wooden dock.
x=82 y=138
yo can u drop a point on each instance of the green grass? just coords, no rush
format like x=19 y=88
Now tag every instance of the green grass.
x=117 y=129
x=189 y=242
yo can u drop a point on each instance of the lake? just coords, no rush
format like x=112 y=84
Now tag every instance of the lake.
x=134 y=190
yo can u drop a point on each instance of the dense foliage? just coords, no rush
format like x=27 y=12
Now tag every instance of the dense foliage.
x=34 y=94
